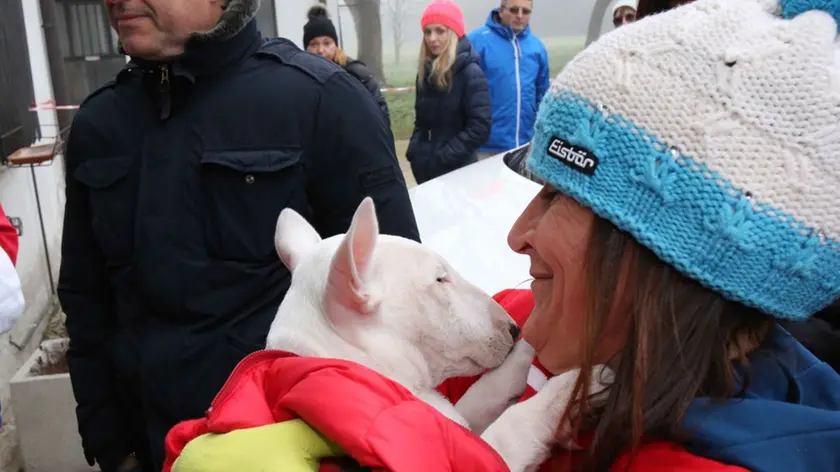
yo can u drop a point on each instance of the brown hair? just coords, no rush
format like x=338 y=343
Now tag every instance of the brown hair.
x=681 y=339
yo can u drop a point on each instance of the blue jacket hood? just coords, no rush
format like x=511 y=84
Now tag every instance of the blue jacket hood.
x=506 y=31
x=788 y=419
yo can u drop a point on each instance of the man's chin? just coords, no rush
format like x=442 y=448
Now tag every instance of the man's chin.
x=139 y=47
x=145 y=47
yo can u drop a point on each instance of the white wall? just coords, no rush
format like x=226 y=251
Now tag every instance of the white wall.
x=291 y=16
x=17 y=196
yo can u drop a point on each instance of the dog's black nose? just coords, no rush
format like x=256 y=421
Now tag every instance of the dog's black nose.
x=514 y=331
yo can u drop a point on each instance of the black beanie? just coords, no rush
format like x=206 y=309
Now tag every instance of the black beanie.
x=319 y=25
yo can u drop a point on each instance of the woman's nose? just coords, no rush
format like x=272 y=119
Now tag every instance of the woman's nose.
x=520 y=234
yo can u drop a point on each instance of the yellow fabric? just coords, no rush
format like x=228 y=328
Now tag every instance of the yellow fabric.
x=291 y=446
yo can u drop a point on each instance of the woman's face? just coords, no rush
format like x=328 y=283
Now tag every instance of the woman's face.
x=436 y=38
x=553 y=232
x=323 y=46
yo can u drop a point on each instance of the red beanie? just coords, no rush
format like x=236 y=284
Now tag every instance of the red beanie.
x=446 y=13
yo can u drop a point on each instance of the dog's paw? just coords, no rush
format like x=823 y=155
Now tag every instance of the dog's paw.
x=496 y=390
x=524 y=434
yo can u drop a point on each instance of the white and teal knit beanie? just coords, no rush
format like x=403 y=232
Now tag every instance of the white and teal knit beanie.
x=711 y=133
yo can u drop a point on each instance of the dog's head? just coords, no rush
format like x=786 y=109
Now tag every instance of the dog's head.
x=394 y=300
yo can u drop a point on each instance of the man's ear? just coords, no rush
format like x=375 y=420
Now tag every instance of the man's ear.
x=294 y=238
x=347 y=282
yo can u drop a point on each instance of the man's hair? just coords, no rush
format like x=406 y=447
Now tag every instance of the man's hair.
x=505 y=2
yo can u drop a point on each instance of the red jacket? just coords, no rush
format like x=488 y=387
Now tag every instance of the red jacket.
x=653 y=457
x=8 y=236
x=375 y=420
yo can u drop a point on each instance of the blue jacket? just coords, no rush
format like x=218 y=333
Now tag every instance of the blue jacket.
x=787 y=420
x=517 y=71
x=450 y=125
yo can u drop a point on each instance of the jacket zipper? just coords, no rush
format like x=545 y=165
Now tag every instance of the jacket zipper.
x=164 y=89
x=515 y=44
x=241 y=365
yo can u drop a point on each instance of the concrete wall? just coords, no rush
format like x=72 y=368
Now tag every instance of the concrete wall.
x=17 y=195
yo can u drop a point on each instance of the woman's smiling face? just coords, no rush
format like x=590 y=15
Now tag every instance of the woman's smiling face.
x=553 y=232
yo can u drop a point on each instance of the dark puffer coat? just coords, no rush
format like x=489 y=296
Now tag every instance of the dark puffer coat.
x=450 y=125
x=359 y=70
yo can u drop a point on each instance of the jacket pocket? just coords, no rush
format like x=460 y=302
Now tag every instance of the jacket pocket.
x=244 y=192
x=112 y=203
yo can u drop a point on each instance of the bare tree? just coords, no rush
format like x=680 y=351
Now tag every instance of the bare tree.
x=398 y=12
x=368 y=22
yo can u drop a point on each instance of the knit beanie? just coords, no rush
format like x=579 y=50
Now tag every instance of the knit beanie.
x=319 y=25
x=446 y=13
x=711 y=134
x=624 y=3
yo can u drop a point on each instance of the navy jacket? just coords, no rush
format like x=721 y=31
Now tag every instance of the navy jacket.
x=359 y=70
x=176 y=174
x=787 y=419
x=450 y=125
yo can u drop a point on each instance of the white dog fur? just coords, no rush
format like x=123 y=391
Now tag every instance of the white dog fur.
x=397 y=307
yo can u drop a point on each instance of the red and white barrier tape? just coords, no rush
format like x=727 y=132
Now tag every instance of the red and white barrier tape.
x=50 y=105
x=398 y=89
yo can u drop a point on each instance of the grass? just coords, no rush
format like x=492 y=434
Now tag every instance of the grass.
x=401 y=104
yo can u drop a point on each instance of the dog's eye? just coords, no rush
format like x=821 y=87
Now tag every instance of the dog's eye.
x=442 y=279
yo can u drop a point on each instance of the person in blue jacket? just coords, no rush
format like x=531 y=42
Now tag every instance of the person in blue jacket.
x=515 y=63
x=452 y=108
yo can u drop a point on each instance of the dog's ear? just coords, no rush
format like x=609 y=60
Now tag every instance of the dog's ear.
x=294 y=238
x=347 y=281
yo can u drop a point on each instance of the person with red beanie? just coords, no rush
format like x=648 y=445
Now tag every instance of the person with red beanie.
x=452 y=107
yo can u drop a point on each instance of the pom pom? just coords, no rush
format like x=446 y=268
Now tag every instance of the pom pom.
x=317 y=11
x=791 y=8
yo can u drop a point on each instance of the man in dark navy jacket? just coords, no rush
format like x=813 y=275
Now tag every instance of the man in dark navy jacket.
x=176 y=173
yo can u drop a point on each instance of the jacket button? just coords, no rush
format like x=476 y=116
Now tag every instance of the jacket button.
x=249 y=179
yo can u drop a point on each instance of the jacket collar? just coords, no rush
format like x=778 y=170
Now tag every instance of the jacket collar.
x=494 y=22
x=207 y=57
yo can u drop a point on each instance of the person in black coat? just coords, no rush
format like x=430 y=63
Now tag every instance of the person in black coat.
x=319 y=37
x=177 y=171
x=452 y=109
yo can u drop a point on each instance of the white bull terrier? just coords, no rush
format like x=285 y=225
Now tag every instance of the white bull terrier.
x=396 y=307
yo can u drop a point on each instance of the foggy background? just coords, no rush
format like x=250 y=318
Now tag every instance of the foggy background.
x=551 y=18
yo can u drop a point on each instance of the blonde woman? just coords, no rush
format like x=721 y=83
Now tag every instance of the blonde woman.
x=452 y=109
x=320 y=38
